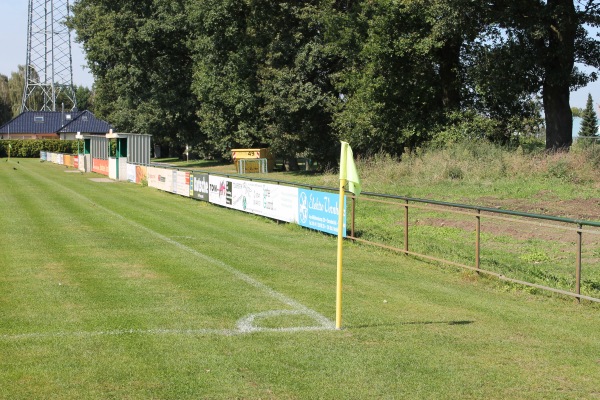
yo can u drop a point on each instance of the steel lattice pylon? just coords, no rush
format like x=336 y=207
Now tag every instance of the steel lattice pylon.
x=48 y=70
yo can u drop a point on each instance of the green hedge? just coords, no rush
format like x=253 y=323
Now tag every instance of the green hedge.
x=32 y=148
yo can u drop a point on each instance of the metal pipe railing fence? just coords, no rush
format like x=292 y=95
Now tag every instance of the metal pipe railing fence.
x=477 y=214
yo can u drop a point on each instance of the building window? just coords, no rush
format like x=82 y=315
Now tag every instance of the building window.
x=38 y=118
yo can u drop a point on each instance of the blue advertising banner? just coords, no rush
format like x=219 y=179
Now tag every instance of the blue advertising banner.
x=319 y=211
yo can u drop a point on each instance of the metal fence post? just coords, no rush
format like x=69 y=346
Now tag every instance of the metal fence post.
x=406 y=227
x=353 y=215
x=477 y=238
x=578 y=262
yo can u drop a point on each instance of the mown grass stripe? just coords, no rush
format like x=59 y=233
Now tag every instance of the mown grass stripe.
x=73 y=197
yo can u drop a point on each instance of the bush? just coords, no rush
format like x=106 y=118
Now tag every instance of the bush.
x=32 y=148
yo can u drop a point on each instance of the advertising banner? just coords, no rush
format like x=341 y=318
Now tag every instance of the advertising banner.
x=221 y=191
x=161 y=178
x=199 y=186
x=272 y=201
x=112 y=168
x=68 y=160
x=182 y=183
x=319 y=211
x=131 y=172
x=100 y=166
x=269 y=200
x=140 y=173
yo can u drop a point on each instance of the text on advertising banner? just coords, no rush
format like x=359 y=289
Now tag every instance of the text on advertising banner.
x=161 y=178
x=199 y=186
x=182 y=183
x=273 y=201
x=319 y=211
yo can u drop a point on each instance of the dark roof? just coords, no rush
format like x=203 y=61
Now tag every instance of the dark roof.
x=55 y=122
x=86 y=122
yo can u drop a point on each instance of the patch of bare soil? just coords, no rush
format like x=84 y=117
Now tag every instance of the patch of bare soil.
x=584 y=209
x=528 y=228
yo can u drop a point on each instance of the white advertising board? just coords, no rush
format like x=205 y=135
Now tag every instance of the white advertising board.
x=131 y=172
x=272 y=201
x=161 y=178
x=182 y=183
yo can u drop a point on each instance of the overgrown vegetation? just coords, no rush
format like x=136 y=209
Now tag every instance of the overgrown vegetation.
x=470 y=170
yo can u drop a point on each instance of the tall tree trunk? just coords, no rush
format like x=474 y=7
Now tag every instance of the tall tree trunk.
x=561 y=27
x=559 y=119
x=450 y=73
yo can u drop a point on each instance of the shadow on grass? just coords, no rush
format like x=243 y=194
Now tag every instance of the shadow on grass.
x=192 y=163
x=462 y=322
x=303 y=173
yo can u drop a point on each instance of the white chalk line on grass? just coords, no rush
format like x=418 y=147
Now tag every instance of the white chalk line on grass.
x=244 y=325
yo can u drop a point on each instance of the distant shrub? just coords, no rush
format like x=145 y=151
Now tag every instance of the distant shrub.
x=32 y=148
x=454 y=172
x=560 y=169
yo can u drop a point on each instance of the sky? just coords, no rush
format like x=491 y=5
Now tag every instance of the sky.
x=13 y=43
x=13 y=48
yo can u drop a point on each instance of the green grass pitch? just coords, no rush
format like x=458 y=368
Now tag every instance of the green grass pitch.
x=112 y=290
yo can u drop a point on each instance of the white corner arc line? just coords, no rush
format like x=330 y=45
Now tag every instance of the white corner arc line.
x=244 y=325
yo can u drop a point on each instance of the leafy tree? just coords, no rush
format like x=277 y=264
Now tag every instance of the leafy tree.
x=16 y=84
x=262 y=77
x=142 y=68
x=226 y=57
x=589 y=123
x=380 y=108
x=85 y=98
x=382 y=74
x=11 y=95
x=5 y=106
x=405 y=75
x=296 y=92
x=543 y=39
x=577 y=112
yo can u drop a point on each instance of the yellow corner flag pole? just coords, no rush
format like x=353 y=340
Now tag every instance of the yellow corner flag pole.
x=348 y=175
x=340 y=246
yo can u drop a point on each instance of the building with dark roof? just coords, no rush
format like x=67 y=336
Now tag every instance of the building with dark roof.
x=53 y=125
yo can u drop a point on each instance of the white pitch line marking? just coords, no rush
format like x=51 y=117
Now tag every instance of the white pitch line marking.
x=244 y=325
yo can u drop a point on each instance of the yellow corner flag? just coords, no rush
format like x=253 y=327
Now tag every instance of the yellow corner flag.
x=348 y=169
x=348 y=174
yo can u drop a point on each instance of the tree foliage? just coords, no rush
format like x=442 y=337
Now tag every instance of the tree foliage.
x=547 y=38
x=385 y=75
x=85 y=98
x=138 y=54
x=589 y=119
x=5 y=105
